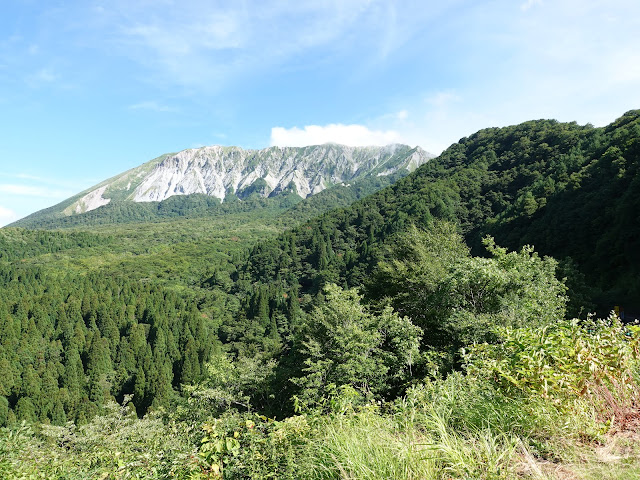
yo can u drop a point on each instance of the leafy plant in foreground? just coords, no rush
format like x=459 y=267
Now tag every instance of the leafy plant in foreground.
x=560 y=361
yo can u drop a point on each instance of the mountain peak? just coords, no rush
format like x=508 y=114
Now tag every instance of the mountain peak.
x=218 y=170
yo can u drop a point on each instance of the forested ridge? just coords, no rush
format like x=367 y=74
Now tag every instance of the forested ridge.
x=565 y=188
x=424 y=331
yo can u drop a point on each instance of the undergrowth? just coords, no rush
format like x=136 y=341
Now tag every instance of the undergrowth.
x=561 y=402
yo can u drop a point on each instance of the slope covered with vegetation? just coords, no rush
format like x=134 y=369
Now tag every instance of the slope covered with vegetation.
x=393 y=338
x=565 y=188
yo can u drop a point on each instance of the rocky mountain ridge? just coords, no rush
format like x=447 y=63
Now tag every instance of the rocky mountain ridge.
x=221 y=171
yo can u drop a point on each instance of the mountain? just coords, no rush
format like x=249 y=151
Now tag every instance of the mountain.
x=229 y=173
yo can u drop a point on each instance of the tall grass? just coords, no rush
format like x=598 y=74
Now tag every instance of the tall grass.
x=458 y=428
x=417 y=438
x=369 y=446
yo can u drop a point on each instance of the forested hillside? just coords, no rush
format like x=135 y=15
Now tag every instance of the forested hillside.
x=71 y=343
x=565 y=188
x=423 y=331
x=199 y=205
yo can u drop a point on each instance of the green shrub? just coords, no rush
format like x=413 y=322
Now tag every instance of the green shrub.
x=560 y=361
x=117 y=445
x=254 y=446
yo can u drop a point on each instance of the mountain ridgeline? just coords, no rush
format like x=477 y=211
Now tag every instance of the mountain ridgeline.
x=199 y=182
x=569 y=190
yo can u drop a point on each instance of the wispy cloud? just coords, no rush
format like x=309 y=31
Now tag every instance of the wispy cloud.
x=529 y=4
x=47 y=182
x=42 y=77
x=33 y=191
x=22 y=193
x=204 y=45
x=211 y=31
x=352 y=135
x=152 y=106
x=28 y=176
x=560 y=60
x=397 y=116
x=570 y=60
x=442 y=99
x=7 y=216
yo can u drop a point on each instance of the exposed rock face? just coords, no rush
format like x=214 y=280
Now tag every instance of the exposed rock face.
x=219 y=171
x=90 y=201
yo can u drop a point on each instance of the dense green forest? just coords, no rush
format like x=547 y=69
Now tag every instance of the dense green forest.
x=71 y=343
x=438 y=328
x=565 y=188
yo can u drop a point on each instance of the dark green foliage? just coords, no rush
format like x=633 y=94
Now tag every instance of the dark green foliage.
x=567 y=189
x=498 y=182
x=69 y=343
x=344 y=344
x=206 y=310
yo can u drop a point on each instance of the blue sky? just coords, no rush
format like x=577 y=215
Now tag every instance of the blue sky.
x=91 y=88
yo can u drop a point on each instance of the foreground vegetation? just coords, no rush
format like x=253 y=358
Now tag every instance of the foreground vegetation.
x=511 y=413
x=389 y=339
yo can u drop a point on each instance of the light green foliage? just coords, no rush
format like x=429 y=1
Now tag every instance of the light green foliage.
x=481 y=455
x=117 y=445
x=230 y=384
x=346 y=344
x=531 y=293
x=461 y=405
x=366 y=445
x=254 y=446
x=414 y=439
x=217 y=448
x=560 y=361
x=458 y=299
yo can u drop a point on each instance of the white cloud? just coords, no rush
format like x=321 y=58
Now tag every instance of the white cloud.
x=530 y=3
x=42 y=76
x=31 y=191
x=352 y=135
x=433 y=120
x=7 y=216
x=151 y=106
